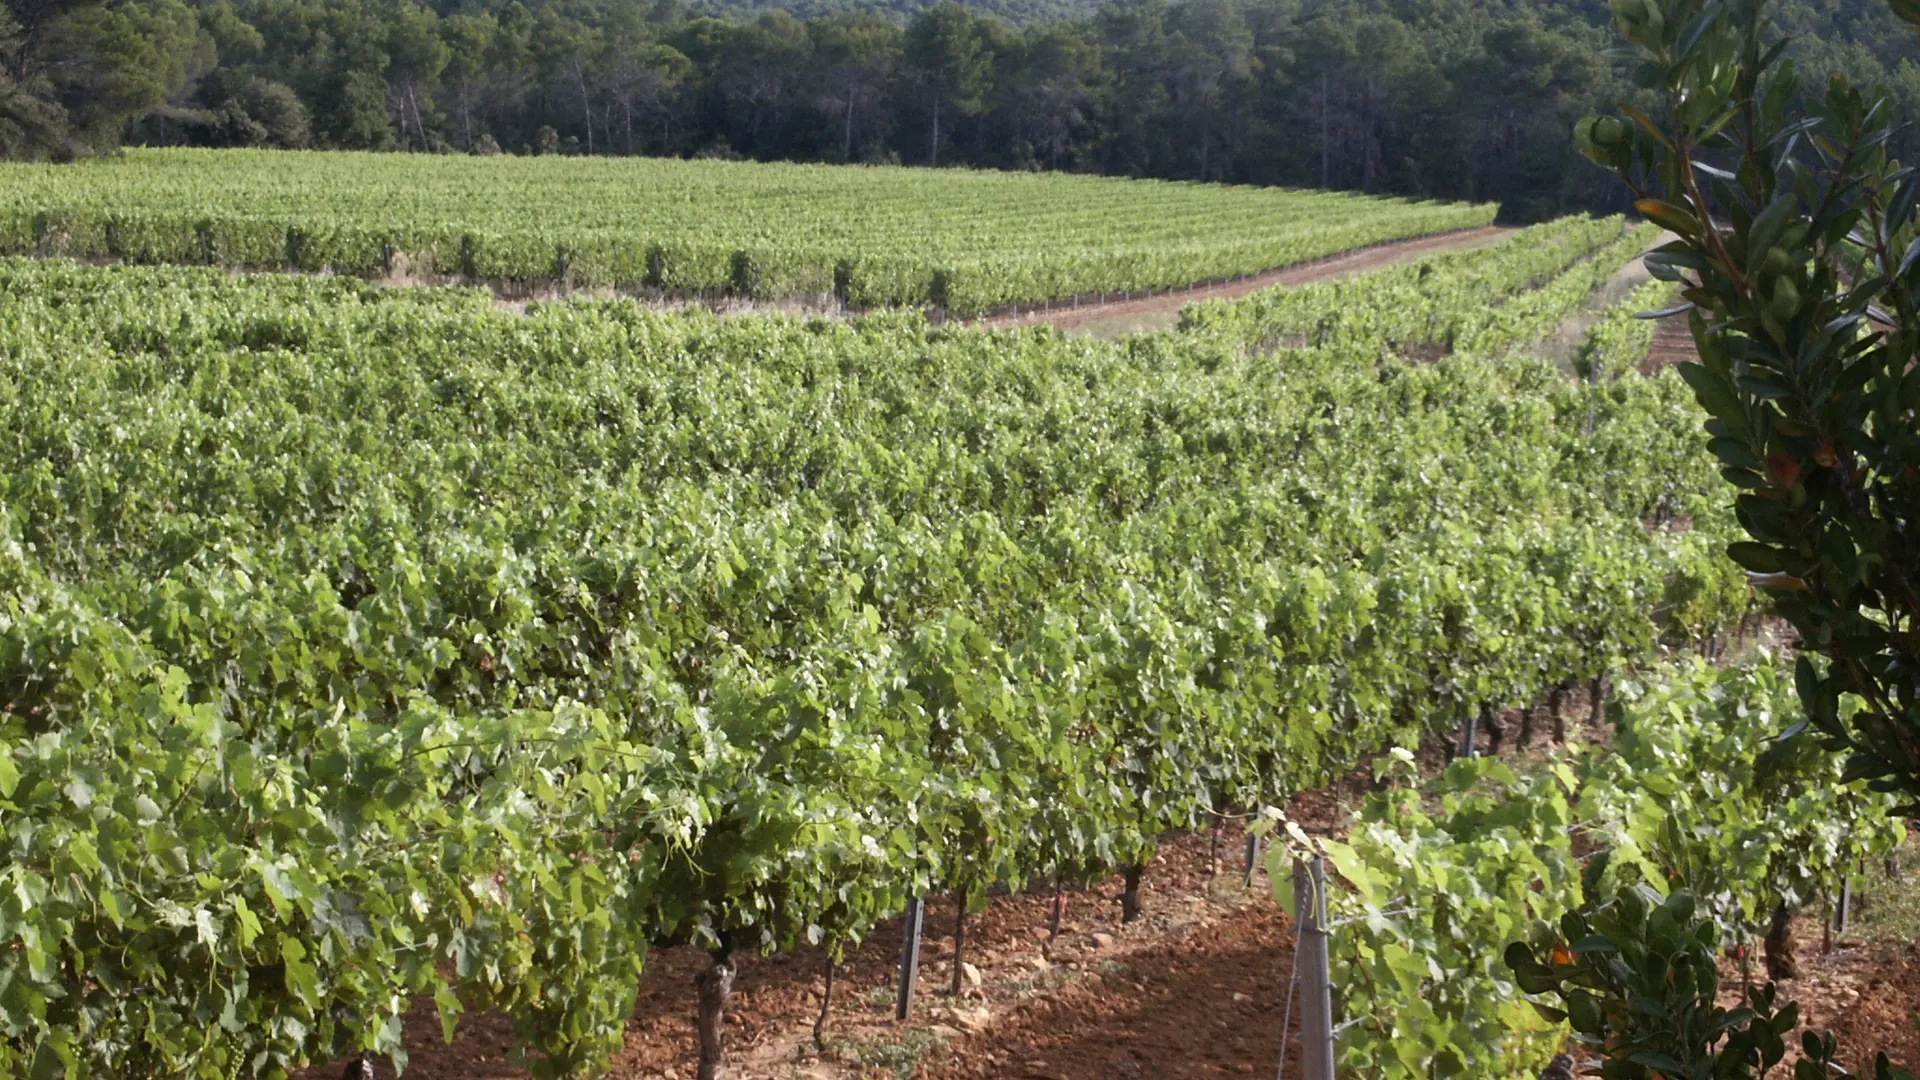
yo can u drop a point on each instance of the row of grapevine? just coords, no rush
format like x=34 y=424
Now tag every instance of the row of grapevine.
x=1438 y=304
x=1534 y=314
x=362 y=644
x=1620 y=340
x=1694 y=790
x=963 y=241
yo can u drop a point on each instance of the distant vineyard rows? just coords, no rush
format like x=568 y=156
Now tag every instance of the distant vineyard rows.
x=963 y=241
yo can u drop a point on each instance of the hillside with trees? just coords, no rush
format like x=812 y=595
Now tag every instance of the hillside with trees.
x=1456 y=99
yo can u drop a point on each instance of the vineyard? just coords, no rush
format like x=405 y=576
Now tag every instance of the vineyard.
x=865 y=237
x=363 y=645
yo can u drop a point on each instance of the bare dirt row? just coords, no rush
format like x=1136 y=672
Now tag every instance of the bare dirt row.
x=1672 y=344
x=1121 y=317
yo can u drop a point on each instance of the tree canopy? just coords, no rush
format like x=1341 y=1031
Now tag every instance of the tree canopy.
x=1463 y=99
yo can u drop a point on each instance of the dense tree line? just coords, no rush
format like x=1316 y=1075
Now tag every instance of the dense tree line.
x=1469 y=99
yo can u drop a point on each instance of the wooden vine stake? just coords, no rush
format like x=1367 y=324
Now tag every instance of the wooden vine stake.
x=1316 y=976
x=1130 y=893
x=1782 y=964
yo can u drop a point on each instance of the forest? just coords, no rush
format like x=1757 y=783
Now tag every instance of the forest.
x=1453 y=99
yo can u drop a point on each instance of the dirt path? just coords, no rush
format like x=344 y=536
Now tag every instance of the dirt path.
x=1207 y=1002
x=1161 y=312
x=1108 y=320
x=1672 y=344
x=1672 y=339
x=1867 y=992
x=1564 y=343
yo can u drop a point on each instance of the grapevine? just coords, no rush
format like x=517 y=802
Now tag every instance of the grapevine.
x=361 y=644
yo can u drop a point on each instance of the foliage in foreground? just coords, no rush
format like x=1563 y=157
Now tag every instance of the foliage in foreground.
x=1438 y=878
x=1694 y=796
x=1636 y=976
x=1799 y=256
x=1799 y=259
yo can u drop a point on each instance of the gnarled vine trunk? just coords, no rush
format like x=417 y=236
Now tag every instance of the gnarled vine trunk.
x=714 y=986
x=959 y=944
x=826 y=1003
x=1781 y=963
